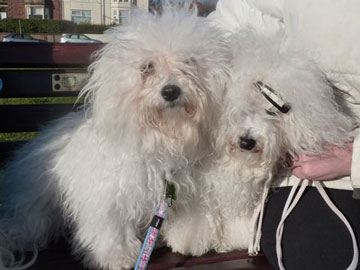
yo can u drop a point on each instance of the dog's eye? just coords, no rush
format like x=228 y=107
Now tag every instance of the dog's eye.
x=190 y=61
x=147 y=69
x=272 y=113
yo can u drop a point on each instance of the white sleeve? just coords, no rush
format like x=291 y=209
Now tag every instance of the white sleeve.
x=234 y=15
x=328 y=32
x=355 y=168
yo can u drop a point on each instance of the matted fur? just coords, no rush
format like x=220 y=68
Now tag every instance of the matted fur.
x=234 y=181
x=314 y=120
x=101 y=171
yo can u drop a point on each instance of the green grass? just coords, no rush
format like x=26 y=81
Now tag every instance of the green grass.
x=17 y=136
x=42 y=100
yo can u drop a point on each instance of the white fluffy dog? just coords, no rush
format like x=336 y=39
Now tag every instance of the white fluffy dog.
x=255 y=137
x=279 y=104
x=154 y=94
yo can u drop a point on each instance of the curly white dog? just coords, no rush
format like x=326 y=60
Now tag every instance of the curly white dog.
x=278 y=104
x=154 y=94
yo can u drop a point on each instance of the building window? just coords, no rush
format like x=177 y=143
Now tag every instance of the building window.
x=47 y=13
x=120 y=16
x=37 y=13
x=123 y=16
x=81 y=16
x=3 y=13
x=125 y=1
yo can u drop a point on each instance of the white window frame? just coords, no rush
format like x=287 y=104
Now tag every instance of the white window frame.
x=81 y=16
x=29 y=12
x=122 y=19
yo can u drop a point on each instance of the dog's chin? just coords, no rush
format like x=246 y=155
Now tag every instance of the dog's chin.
x=177 y=122
x=182 y=109
x=249 y=159
x=247 y=170
x=258 y=161
x=252 y=157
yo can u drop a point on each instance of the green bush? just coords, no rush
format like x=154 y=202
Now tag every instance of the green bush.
x=68 y=27
x=9 y=25
x=91 y=28
x=49 y=26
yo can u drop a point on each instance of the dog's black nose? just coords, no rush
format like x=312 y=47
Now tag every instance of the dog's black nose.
x=246 y=143
x=170 y=92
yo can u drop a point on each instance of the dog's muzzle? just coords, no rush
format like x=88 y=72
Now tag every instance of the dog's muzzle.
x=170 y=93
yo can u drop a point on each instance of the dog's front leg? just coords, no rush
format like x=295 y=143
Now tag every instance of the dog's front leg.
x=191 y=231
x=106 y=244
x=235 y=234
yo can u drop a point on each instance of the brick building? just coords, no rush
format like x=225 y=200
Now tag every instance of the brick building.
x=40 y=9
x=79 y=11
x=100 y=11
x=3 y=9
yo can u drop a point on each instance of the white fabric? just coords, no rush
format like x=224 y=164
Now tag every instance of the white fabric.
x=355 y=164
x=341 y=183
x=325 y=30
x=232 y=15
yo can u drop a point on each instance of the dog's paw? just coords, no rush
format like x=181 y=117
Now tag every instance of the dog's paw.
x=192 y=236
x=112 y=256
x=193 y=248
x=236 y=235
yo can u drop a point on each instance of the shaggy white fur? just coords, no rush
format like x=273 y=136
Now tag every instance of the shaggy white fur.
x=154 y=94
x=254 y=138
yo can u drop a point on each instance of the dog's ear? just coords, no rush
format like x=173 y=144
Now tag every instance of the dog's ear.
x=316 y=118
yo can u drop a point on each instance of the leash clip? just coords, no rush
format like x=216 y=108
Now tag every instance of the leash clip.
x=169 y=192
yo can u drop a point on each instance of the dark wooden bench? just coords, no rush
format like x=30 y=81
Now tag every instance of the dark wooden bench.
x=58 y=70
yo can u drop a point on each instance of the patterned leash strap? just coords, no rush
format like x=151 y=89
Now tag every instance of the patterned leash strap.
x=154 y=228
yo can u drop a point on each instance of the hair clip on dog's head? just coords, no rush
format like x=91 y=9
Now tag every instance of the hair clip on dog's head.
x=270 y=94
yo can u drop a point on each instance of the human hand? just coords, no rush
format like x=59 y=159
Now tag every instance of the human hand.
x=336 y=163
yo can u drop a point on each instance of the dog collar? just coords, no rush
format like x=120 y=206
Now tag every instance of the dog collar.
x=270 y=94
